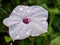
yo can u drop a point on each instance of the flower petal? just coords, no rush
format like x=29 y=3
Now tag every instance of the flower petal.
x=11 y=20
x=19 y=31
x=44 y=25
x=39 y=12
x=20 y=10
x=38 y=29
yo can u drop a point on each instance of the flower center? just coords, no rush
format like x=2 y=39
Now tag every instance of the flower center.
x=26 y=20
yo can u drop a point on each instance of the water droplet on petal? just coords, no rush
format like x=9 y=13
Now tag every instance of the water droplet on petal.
x=21 y=9
x=17 y=37
x=28 y=11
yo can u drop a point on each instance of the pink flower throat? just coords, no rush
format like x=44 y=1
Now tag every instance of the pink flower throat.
x=26 y=20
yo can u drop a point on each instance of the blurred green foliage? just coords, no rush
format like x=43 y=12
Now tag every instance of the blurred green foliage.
x=52 y=37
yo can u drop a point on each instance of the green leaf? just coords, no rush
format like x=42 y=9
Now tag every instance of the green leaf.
x=56 y=23
x=25 y=42
x=17 y=2
x=55 y=41
x=2 y=11
x=40 y=40
x=54 y=10
x=54 y=36
x=40 y=2
x=2 y=27
x=7 y=39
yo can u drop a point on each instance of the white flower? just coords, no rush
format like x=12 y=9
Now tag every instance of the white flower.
x=26 y=21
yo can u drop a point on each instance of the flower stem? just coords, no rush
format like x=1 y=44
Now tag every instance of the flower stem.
x=47 y=41
x=33 y=41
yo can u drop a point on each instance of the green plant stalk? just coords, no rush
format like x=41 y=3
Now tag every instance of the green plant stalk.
x=51 y=18
x=52 y=15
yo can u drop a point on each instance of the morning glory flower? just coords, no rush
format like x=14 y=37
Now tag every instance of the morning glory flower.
x=25 y=21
